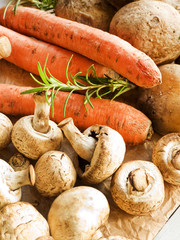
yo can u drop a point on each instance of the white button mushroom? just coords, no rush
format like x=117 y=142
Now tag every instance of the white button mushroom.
x=138 y=187
x=22 y=221
x=45 y=238
x=55 y=173
x=5 y=131
x=11 y=182
x=35 y=134
x=166 y=156
x=102 y=147
x=82 y=144
x=77 y=213
x=18 y=162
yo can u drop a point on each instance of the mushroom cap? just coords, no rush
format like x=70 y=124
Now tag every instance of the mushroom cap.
x=5 y=131
x=165 y=150
x=6 y=194
x=22 y=221
x=31 y=143
x=77 y=213
x=45 y=238
x=55 y=173
x=137 y=187
x=107 y=157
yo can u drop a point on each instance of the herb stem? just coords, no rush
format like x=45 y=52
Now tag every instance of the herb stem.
x=46 y=5
x=90 y=85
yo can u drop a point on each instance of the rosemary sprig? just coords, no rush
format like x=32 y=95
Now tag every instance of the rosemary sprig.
x=92 y=85
x=46 y=5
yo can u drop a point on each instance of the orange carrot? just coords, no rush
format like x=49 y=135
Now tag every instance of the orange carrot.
x=132 y=124
x=100 y=46
x=27 y=52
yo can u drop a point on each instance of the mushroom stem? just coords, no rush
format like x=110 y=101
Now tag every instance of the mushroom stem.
x=176 y=160
x=5 y=47
x=16 y=180
x=18 y=162
x=41 y=112
x=138 y=179
x=83 y=145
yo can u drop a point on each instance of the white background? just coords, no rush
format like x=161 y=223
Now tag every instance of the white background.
x=3 y=2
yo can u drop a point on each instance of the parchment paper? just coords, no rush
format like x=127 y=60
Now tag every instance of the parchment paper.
x=119 y=222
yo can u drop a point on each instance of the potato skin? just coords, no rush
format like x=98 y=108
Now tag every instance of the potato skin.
x=119 y=3
x=95 y=13
x=174 y=3
x=162 y=103
x=152 y=27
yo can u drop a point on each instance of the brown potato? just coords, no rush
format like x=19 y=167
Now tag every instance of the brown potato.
x=174 y=3
x=119 y=3
x=95 y=13
x=162 y=103
x=152 y=27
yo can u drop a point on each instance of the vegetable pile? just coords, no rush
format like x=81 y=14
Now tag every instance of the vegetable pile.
x=95 y=90
x=90 y=42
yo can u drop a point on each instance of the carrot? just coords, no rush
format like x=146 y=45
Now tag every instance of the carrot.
x=131 y=123
x=100 y=46
x=26 y=52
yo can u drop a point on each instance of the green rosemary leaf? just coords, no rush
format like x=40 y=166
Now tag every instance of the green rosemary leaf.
x=57 y=90
x=52 y=101
x=53 y=98
x=94 y=72
x=67 y=68
x=53 y=79
x=74 y=79
x=33 y=90
x=120 y=92
x=65 y=104
x=87 y=75
x=98 y=90
x=82 y=78
x=123 y=81
x=5 y=10
x=87 y=99
x=70 y=83
x=92 y=92
x=52 y=94
x=40 y=83
x=105 y=93
x=42 y=75
x=100 y=80
x=75 y=76
x=46 y=96
x=44 y=69
x=85 y=107
x=79 y=84
x=15 y=6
